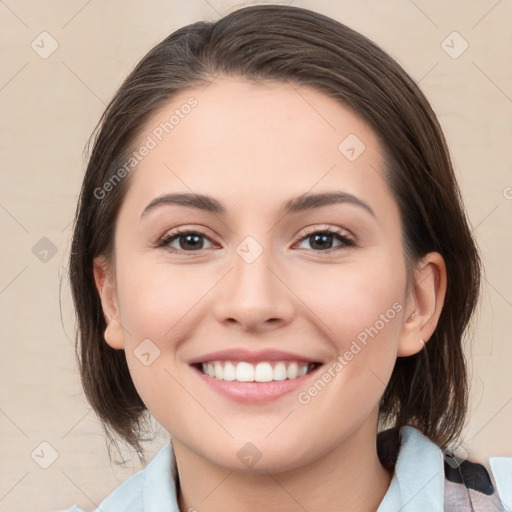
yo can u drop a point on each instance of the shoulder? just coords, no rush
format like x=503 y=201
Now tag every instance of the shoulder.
x=155 y=484
x=502 y=471
x=446 y=482
x=469 y=482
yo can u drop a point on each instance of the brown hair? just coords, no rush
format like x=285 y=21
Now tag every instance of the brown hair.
x=428 y=390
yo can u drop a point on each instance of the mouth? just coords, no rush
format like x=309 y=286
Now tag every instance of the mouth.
x=263 y=371
x=254 y=377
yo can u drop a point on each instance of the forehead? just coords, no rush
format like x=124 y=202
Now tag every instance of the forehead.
x=253 y=143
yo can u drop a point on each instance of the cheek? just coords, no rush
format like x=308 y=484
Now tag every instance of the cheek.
x=351 y=299
x=359 y=309
x=159 y=305
x=157 y=298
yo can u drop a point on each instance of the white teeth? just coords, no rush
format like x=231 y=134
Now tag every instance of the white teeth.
x=292 y=371
x=218 y=370
x=263 y=372
x=260 y=372
x=244 y=372
x=280 y=371
x=302 y=371
x=229 y=371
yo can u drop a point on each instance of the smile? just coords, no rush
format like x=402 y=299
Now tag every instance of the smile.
x=264 y=371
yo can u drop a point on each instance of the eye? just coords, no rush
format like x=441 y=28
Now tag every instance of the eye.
x=321 y=240
x=187 y=241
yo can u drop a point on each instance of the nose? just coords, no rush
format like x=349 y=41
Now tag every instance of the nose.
x=254 y=296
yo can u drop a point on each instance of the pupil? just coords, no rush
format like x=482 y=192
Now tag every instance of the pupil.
x=190 y=244
x=323 y=238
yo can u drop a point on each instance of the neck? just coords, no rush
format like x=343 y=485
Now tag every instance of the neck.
x=349 y=477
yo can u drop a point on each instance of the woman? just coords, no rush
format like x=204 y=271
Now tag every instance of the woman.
x=271 y=257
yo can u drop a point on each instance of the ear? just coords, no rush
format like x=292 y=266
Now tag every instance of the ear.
x=423 y=305
x=105 y=284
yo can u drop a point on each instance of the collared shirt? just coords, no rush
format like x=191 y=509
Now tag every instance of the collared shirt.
x=417 y=484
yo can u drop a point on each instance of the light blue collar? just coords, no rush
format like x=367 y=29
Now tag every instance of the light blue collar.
x=417 y=484
x=418 y=480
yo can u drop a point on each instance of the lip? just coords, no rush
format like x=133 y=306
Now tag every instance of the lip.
x=240 y=354
x=255 y=392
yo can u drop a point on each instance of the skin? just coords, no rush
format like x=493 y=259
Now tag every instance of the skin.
x=252 y=147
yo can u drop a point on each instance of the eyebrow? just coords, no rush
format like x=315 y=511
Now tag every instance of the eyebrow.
x=296 y=204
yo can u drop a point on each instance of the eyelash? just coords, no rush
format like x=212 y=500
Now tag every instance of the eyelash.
x=340 y=234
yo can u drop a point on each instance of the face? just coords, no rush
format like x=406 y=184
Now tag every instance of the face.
x=253 y=282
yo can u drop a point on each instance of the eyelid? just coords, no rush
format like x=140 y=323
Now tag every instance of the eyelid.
x=165 y=240
x=347 y=238
x=327 y=228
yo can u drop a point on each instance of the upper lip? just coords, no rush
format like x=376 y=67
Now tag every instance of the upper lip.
x=240 y=354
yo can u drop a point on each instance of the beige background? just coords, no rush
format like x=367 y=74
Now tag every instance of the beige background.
x=49 y=107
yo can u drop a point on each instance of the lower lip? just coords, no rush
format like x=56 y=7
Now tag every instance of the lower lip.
x=254 y=392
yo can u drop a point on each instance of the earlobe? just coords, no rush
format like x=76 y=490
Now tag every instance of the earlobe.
x=104 y=280
x=424 y=304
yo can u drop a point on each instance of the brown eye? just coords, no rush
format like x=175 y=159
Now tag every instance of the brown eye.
x=323 y=240
x=184 y=241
